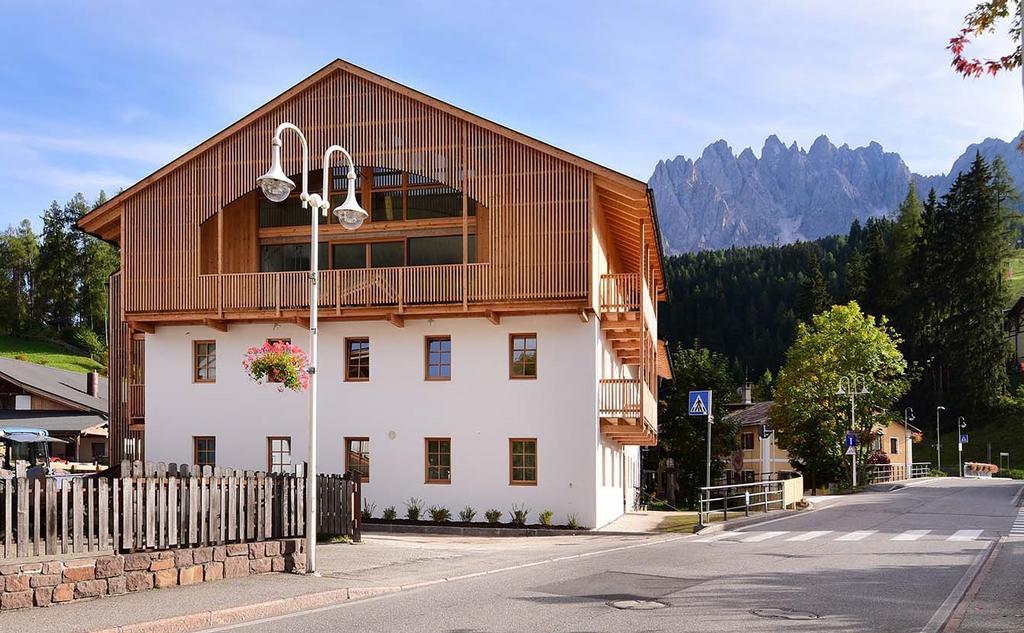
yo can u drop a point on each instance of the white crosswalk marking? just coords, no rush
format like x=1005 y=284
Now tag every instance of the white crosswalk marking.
x=1018 y=523
x=807 y=536
x=965 y=535
x=715 y=537
x=762 y=536
x=857 y=536
x=910 y=535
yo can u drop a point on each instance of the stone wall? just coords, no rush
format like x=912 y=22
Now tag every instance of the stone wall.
x=51 y=582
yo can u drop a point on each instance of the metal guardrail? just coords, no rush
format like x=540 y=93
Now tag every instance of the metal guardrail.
x=920 y=469
x=886 y=473
x=740 y=498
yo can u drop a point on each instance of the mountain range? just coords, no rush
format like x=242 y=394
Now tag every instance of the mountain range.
x=788 y=193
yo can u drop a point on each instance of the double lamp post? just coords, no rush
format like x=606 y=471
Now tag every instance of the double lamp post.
x=277 y=186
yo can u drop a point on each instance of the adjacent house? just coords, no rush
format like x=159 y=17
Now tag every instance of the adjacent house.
x=487 y=338
x=68 y=405
x=759 y=456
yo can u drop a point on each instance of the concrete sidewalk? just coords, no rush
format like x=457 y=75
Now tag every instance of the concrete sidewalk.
x=380 y=564
x=998 y=603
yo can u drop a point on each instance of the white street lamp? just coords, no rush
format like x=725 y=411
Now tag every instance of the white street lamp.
x=852 y=387
x=276 y=187
x=961 y=424
x=938 y=439
x=908 y=417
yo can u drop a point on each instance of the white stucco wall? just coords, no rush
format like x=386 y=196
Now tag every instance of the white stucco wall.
x=480 y=409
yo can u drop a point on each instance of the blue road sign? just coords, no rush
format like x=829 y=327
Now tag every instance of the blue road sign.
x=851 y=439
x=963 y=438
x=700 y=403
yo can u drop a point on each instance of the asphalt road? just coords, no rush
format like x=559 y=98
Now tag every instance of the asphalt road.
x=895 y=561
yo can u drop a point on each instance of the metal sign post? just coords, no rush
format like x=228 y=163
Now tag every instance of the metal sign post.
x=851 y=449
x=700 y=404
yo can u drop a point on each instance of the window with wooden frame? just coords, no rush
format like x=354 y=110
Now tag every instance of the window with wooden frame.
x=894 y=446
x=522 y=361
x=438 y=461
x=522 y=461
x=747 y=441
x=357 y=457
x=204 y=450
x=204 y=361
x=357 y=359
x=279 y=454
x=438 y=358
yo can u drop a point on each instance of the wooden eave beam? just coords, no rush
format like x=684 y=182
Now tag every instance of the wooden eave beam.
x=493 y=317
x=218 y=324
x=396 y=320
x=142 y=326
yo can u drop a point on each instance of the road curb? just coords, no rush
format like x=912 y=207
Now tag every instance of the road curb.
x=250 y=612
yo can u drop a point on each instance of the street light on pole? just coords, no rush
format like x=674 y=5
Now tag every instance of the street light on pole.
x=961 y=424
x=276 y=187
x=908 y=417
x=848 y=386
x=938 y=440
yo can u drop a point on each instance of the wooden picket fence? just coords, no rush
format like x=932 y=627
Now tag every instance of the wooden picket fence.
x=158 y=506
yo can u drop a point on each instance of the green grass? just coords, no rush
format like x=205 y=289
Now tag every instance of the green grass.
x=685 y=523
x=1015 y=277
x=46 y=353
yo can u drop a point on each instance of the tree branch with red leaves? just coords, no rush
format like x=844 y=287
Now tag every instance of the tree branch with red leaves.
x=986 y=18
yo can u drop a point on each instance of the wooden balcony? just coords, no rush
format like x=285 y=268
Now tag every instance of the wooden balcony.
x=620 y=301
x=628 y=412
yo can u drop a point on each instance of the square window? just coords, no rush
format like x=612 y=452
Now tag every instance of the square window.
x=438 y=358
x=438 y=460
x=357 y=457
x=279 y=454
x=522 y=355
x=204 y=450
x=522 y=461
x=204 y=361
x=357 y=359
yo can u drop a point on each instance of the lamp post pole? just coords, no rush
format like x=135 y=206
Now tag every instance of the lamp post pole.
x=848 y=387
x=908 y=417
x=938 y=439
x=277 y=186
x=961 y=424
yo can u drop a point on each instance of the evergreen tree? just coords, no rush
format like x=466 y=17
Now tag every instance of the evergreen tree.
x=906 y=233
x=19 y=251
x=58 y=265
x=99 y=260
x=814 y=297
x=856 y=277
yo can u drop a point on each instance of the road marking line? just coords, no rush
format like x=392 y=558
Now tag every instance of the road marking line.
x=1018 y=524
x=762 y=536
x=965 y=535
x=857 y=536
x=806 y=536
x=910 y=535
x=717 y=537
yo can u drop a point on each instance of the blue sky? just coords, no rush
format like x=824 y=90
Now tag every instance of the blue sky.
x=97 y=95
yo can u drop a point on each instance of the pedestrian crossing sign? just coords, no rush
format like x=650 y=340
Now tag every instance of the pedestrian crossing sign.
x=700 y=403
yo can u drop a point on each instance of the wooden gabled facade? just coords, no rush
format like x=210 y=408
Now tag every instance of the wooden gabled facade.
x=540 y=230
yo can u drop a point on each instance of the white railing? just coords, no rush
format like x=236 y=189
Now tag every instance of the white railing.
x=885 y=473
x=764 y=495
x=920 y=469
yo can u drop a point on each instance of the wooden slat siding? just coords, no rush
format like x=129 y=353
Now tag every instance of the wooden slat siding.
x=103 y=516
x=51 y=516
x=119 y=335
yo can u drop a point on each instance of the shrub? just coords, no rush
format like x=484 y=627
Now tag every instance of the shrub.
x=519 y=514
x=467 y=515
x=545 y=517
x=439 y=514
x=368 y=509
x=22 y=357
x=413 y=508
x=572 y=521
x=492 y=516
x=84 y=338
x=936 y=473
x=390 y=514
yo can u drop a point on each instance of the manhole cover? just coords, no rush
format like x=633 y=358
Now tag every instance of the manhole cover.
x=785 y=614
x=638 y=605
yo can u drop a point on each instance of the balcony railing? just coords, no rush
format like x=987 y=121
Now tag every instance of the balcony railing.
x=340 y=289
x=620 y=398
x=620 y=292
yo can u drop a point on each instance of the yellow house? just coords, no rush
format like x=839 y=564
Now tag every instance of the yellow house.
x=759 y=457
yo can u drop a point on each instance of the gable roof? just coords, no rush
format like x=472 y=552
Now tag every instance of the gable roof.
x=61 y=385
x=94 y=220
x=756 y=413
